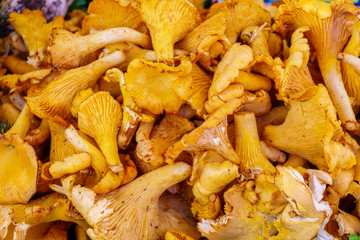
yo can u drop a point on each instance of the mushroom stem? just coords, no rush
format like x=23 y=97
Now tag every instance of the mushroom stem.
x=247 y=144
x=22 y=124
x=100 y=39
x=351 y=60
x=330 y=69
x=98 y=161
x=63 y=56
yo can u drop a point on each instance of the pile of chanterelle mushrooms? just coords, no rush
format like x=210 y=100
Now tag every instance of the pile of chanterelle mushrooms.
x=158 y=119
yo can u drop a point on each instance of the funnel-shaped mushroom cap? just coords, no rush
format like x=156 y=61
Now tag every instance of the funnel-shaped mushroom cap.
x=211 y=135
x=171 y=128
x=158 y=87
x=104 y=14
x=32 y=26
x=247 y=144
x=240 y=14
x=68 y=50
x=308 y=131
x=131 y=211
x=330 y=27
x=242 y=220
x=19 y=170
x=206 y=37
x=295 y=77
x=100 y=117
x=57 y=91
x=49 y=208
x=162 y=17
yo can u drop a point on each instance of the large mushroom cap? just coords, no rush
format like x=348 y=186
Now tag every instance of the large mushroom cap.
x=158 y=87
x=162 y=17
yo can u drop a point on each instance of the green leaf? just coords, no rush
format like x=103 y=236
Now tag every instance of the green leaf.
x=4 y=126
x=354 y=237
x=79 y=4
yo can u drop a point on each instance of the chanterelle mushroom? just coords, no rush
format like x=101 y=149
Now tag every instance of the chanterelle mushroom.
x=32 y=26
x=54 y=95
x=162 y=17
x=105 y=14
x=330 y=27
x=131 y=211
x=19 y=167
x=100 y=117
x=158 y=87
x=308 y=131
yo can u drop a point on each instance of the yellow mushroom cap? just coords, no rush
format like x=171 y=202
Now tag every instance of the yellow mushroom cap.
x=158 y=87
x=205 y=38
x=239 y=15
x=330 y=27
x=19 y=170
x=162 y=17
x=241 y=219
x=308 y=131
x=100 y=117
x=296 y=76
x=32 y=26
x=105 y=14
x=201 y=83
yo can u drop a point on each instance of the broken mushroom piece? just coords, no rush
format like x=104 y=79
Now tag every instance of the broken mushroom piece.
x=105 y=14
x=257 y=38
x=100 y=117
x=329 y=32
x=16 y=65
x=207 y=41
x=68 y=50
x=149 y=151
x=54 y=95
x=157 y=87
x=309 y=127
x=132 y=114
x=131 y=211
x=247 y=144
x=215 y=176
x=296 y=76
x=49 y=208
x=32 y=26
x=162 y=17
x=241 y=220
x=306 y=214
x=211 y=135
